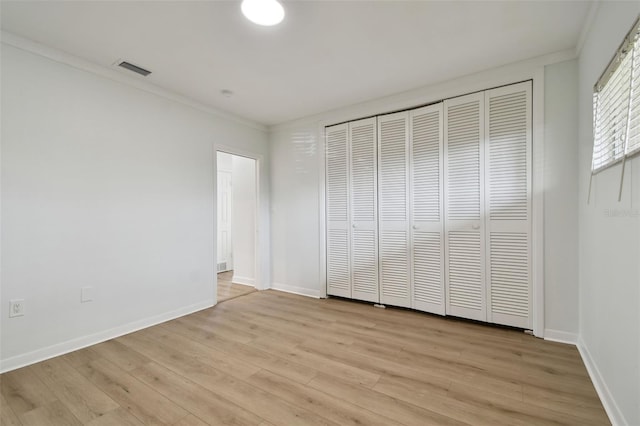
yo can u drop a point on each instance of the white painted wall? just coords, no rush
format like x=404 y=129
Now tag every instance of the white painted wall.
x=561 y=200
x=609 y=239
x=108 y=186
x=244 y=218
x=297 y=160
x=295 y=223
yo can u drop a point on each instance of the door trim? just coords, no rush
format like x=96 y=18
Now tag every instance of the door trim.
x=261 y=253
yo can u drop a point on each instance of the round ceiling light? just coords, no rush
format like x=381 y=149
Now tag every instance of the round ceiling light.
x=263 y=12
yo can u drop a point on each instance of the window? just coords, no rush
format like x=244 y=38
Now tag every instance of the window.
x=616 y=105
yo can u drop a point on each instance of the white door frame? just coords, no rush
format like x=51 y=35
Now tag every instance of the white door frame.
x=259 y=255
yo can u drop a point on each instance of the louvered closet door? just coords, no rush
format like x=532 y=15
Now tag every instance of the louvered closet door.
x=464 y=207
x=427 y=224
x=337 y=197
x=393 y=161
x=364 y=206
x=508 y=204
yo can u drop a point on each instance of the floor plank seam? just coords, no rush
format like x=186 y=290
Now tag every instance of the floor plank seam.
x=308 y=361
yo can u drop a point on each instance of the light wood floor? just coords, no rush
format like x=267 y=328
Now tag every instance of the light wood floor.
x=228 y=290
x=270 y=358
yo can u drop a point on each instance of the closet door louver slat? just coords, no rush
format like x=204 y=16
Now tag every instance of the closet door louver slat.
x=394 y=275
x=464 y=191
x=337 y=174
x=338 y=268
x=466 y=290
x=363 y=170
x=393 y=168
x=508 y=204
x=365 y=265
x=509 y=276
x=393 y=161
x=428 y=277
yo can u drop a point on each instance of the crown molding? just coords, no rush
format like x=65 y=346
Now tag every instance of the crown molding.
x=586 y=25
x=481 y=80
x=56 y=55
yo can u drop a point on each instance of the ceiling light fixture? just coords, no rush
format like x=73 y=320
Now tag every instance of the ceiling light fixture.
x=263 y=12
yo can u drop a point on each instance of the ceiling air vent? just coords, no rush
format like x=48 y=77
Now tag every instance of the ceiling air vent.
x=134 y=68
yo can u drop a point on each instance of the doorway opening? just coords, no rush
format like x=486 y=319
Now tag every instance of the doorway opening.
x=236 y=225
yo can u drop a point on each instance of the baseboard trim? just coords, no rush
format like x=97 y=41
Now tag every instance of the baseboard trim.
x=560 y=336
x=58 y=349
x=613 y=411
x=243 y=280
x=302 y=291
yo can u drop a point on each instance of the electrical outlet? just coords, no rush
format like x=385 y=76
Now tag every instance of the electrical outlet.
x=16 y=308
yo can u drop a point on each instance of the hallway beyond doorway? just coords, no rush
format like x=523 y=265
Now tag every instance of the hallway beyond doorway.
x=228 y=290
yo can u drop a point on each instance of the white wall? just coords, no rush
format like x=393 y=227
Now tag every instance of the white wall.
x=244 y=217
x=297 y=159
x=295 y=232
x=609 y=239
x=108 y=186
x=561 y=200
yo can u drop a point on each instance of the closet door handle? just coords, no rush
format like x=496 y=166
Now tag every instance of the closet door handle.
x=475 y=226
x=415 y=226
x=354 y=226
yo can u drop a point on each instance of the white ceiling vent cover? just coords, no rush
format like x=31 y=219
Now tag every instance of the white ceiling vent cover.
x=129 y=66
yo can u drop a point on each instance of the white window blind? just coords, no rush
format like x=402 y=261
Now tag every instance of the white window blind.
x=616 y=105
x=633 y=144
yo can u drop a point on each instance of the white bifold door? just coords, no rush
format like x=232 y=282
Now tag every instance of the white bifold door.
x=464 y=208
x=411 y=226
x=508 y=159
x=352 y=210
x=488 y=205
x=393 y=159
x=431 y=208
x=426 y=207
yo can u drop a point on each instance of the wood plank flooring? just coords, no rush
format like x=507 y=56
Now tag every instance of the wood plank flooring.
x=271 y=358
x=228 y=290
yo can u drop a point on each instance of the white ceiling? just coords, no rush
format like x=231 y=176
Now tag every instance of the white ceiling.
x=325 y=55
